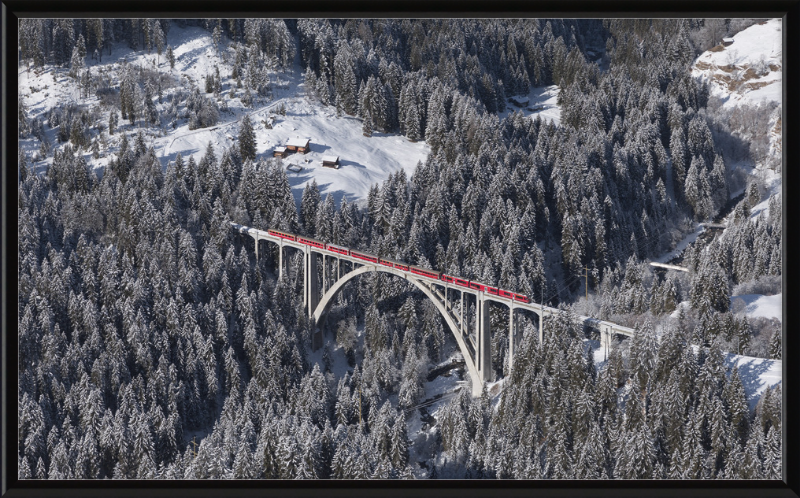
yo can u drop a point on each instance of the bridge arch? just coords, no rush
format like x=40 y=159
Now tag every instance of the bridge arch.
x=330 y=295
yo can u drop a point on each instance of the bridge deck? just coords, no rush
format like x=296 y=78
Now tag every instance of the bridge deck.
x=536 y=308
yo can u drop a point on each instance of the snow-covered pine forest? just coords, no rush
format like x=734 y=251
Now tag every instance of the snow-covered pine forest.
x=154 y=345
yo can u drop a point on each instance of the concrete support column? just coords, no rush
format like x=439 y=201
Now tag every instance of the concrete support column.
x=312 y=296
x=280 y=260
x=312 y=283
x=305 y=277
x=255 y=238
x=541 y=319
x=324 y=274
x=484 y=352
x=462 y=312
x=605 y=339
x=511 y=338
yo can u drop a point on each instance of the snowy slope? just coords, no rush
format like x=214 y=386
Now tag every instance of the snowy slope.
x=364 y=160
x=732 y=71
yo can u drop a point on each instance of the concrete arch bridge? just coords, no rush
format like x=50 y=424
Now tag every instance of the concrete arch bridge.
x=472 y=333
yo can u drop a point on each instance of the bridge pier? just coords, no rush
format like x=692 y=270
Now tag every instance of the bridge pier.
x=484 y=349
x=311 y=295
x=255 y=238
x=462 y=313
x=541 y=319
x=312 y=283
x=605 y=338
x=511 y=338
x=280 y=260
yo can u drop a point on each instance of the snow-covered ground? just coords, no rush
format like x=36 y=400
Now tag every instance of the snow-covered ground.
x=759 y=305
x=733 y=71
x=757 y=374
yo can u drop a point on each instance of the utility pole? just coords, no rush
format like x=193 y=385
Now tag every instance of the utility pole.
x=195 y=446
x=359 y=403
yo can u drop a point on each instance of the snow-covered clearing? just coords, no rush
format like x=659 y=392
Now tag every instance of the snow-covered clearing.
x=759 y=305
x=748 y=70
x=542 y=101
x=364 y=161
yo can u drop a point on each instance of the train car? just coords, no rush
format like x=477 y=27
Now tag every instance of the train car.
x=521 y=298
x=365 y=256
x=448 y=279
x=492 y=290
x=393 y=264
x=476 y=286
x=283 y=235
x=424 y=272
x=338 y=250
x=505 y=294
x=311 y=242
x=461 y=282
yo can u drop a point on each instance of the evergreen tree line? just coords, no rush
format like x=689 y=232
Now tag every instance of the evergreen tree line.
x=144 y=320
x=656 y=411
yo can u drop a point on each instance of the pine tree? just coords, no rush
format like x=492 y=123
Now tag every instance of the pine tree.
x=309 y=205
x=367 y=125
x=775 y=349
x=170 y=57
x=735 y=399
x=247 y=140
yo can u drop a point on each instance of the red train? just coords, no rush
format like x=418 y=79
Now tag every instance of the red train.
x=424 y=272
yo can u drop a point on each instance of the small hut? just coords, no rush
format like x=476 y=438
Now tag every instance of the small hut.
x=298 y=144
x=294 y=168
x=519 y=101
x=279 y=152
x=330 y=161
x=727 y=41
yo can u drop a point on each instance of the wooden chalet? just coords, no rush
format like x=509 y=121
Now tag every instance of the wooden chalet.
x=727 y=41
x=279 y=152
x=330 y=161
x=298 y=144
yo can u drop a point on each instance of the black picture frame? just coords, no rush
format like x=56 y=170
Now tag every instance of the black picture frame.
x=14 y=9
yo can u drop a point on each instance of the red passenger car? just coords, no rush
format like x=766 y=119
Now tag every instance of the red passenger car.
x=338 y=250
x=283 y=235
x=365 y=256
x=424 y=272
x=311 y=242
